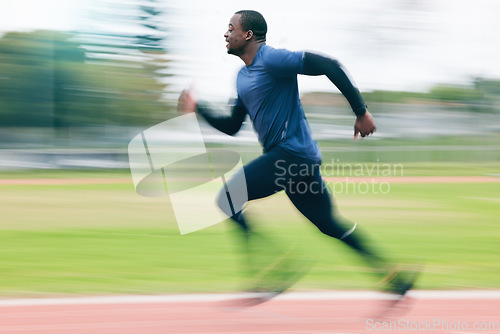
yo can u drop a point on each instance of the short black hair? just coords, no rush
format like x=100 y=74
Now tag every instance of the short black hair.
x=253 y=20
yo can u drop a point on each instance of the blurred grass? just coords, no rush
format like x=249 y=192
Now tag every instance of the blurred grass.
x=434 y=150
x=437 y=168
x=106 y=239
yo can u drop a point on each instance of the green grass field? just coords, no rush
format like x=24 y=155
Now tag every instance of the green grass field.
x=106 y=239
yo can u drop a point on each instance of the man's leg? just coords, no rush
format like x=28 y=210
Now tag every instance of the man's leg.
x=271 y=267
x=260 y=177
x=312 y=198
x=314 y=202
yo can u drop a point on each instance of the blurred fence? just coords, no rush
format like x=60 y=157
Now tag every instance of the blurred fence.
x=406 y=132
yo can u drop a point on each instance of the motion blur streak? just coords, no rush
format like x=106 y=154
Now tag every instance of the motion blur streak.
x=74 y=93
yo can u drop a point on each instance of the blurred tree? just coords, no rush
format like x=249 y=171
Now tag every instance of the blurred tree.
x=48 y=80
x=489 y=87
x=455 y=93
x=130 y=47
x=102 y=77
x=152 y=41
x=39 y=76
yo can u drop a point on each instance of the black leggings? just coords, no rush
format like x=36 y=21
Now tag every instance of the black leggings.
x=279 y=170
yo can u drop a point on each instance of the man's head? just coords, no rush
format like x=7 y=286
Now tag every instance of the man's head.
x=245 y=26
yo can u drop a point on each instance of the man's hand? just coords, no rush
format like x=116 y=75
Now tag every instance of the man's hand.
x=364 y=125
x=186 y=102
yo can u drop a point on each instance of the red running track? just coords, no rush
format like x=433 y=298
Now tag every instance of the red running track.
x=295 y=313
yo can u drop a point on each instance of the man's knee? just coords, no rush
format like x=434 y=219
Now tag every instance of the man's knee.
x=331 y=231
x=330 y=227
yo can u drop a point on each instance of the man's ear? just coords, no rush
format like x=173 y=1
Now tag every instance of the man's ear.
x=249 y=35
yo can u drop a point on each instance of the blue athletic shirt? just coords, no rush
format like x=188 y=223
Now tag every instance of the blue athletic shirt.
x=268 y=89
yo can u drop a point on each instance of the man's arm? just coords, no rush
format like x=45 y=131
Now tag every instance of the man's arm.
x=315 y=64
x=230 y=124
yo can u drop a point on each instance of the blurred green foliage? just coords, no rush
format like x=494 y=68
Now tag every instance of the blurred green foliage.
x=67 y=79
x=481 y=95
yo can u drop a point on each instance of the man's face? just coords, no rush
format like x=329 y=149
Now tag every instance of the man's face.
x=235 y=36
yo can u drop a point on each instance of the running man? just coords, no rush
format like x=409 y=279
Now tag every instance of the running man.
x=268 y=93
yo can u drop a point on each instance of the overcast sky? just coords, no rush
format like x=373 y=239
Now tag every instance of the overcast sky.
x=385 y=44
